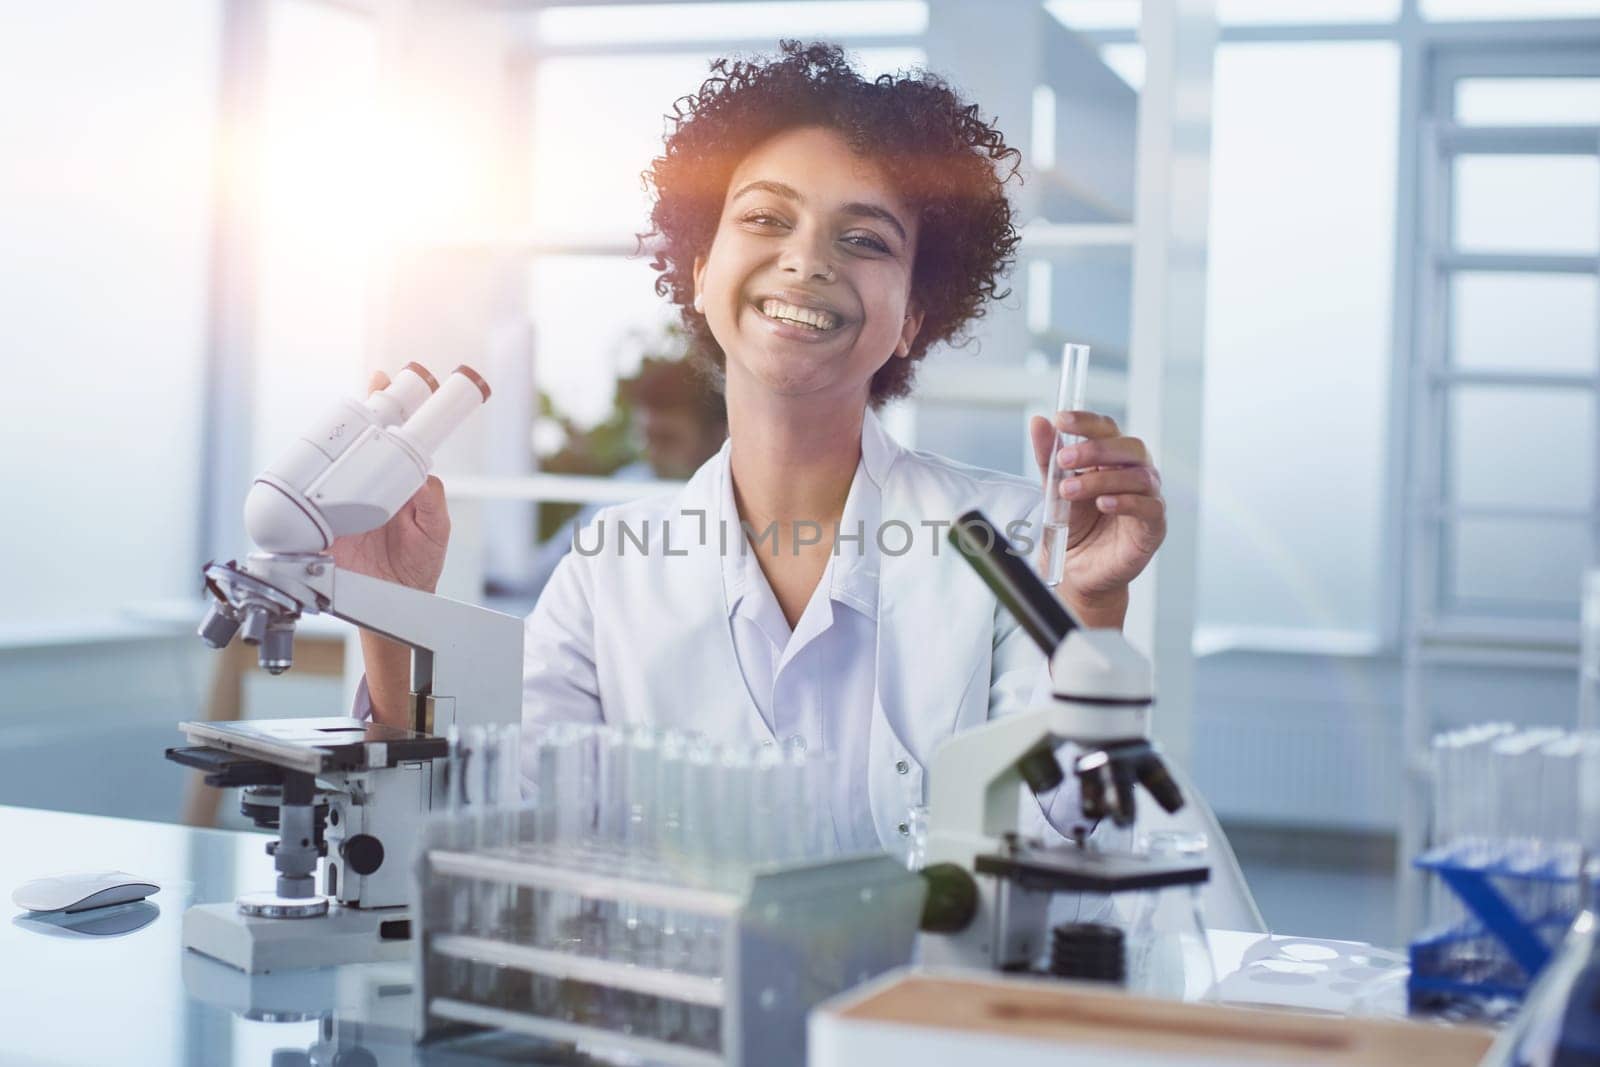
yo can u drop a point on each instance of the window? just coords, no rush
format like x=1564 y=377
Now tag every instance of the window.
x=1297 y=335
x=1516 y=358
x=1527 y=204
x=1524 y=322
x=1508 y=568
x=1446 y=10
x=1124 y=14
x=1552 y=463
x=585 y=185
x=622 y=24
x=107 y=114
x=592 y=315
x=1280 y=13
x=1527 y=101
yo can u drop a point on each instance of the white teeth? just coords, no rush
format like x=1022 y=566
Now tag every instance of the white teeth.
x=815 y=318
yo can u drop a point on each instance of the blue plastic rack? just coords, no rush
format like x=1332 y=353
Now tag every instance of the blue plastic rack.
x=1501 y=948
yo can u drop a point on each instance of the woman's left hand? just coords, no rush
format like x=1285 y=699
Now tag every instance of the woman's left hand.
x=1117 y=519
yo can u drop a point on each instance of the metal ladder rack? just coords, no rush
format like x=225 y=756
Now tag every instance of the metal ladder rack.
x=1439 y=630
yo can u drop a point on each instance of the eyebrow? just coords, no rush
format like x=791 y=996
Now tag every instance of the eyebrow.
x=856 y=209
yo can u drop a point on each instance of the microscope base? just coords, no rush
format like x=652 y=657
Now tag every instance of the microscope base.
x=261 y=946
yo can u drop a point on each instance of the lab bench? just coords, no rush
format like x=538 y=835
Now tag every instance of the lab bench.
x=128 y=992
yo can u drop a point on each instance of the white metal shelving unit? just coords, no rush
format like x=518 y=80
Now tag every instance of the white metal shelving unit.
x=1441 y=629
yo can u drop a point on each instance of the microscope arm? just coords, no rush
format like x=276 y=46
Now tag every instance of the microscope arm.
x=466 y=661
x=973 y=781
x=975 y=776
x=452 y=643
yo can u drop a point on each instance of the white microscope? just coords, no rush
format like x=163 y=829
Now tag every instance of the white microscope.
x=354 y=793
x=989 y=888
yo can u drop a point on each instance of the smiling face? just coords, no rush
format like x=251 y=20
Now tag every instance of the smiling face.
x=807 y=285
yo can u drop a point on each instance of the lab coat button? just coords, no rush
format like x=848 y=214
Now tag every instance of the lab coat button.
x=905 y=831
x=901 y=767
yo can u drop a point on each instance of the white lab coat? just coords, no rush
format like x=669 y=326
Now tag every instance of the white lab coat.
x=646 y=638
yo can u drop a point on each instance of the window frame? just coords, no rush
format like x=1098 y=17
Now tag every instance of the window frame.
x=1431 y=619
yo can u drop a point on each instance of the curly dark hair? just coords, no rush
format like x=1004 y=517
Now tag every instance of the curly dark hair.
x=949 y=164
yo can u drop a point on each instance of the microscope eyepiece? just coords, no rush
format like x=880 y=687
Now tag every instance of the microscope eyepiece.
x=458 y=396
x=475 y=378
x=422 y=372
x=1008 y=576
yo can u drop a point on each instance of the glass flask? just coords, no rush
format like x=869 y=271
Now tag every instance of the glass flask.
x=1168 y=954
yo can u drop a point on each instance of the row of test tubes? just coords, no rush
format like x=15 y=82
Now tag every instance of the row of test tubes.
x=1520 y=803
x=635 y=804
x=640 y=799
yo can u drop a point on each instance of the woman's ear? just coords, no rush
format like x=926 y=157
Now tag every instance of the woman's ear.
x=699 y=272
x=908 y=331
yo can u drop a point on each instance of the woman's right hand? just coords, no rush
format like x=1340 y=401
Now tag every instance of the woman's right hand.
x=410 y=547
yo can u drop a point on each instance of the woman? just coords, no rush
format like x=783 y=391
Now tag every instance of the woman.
x=818 y=233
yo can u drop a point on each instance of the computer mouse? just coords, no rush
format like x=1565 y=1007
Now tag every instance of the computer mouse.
x=80 y=892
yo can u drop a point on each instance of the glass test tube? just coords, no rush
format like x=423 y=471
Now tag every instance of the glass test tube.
x=642 y=925
x=1442 y=910
x=1587 y=801
x=1589 y=654
x=490 y=908
x=1558 y=855
x=801 y=814
x=1070 y=392
x=611 y=813
x=705 y=853
x=676 y=931
x=458 y=904
x=737 y=837
x=541 y=834
x=567 y=791
x=768 y=810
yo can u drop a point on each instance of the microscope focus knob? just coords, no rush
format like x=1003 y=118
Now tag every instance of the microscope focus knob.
x=952 y=898
x=362 y=853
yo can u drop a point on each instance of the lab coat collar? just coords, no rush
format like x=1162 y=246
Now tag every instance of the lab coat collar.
x=852 y=573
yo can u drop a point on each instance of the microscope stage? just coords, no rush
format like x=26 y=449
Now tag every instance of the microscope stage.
x=318 y=746
x=1067 y=868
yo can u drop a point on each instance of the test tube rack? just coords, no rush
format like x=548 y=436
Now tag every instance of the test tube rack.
x=515 y=939
x=1515 y=916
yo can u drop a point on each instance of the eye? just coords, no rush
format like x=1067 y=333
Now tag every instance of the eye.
x=865 y=240
x=763 y=218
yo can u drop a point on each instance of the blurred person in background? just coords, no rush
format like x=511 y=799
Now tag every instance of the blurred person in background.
x=677 y=421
